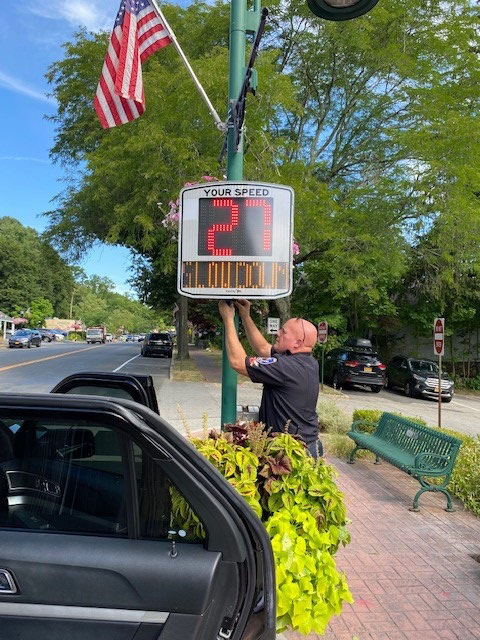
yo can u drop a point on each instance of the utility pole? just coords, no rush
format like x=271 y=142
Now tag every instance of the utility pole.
x=241 y=23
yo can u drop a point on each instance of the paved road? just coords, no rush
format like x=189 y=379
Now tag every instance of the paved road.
x=37 y=370
x=462 y=414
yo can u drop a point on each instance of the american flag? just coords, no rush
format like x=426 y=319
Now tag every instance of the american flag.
x=138 y=32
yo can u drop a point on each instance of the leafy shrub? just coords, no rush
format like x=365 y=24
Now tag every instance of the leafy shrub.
x=303 y=512
x=465 y=479
x=468 y=383
x=76 y=336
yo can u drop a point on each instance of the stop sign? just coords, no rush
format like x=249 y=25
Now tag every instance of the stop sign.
x=322 y=332
x=439 y=336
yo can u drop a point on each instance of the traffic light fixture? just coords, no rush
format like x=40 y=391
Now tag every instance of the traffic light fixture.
x=338 y=10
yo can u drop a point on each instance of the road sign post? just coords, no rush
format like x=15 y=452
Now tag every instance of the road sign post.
x=439 y=349
x=322 y=339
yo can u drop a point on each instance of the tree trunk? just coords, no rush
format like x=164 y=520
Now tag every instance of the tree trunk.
x=283 y=307
x=452 y=357
x=182 y=328
x=469 y=352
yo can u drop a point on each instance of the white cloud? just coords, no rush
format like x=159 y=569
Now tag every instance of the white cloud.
x=24 y=158
x=92 y=14
x=14 y=84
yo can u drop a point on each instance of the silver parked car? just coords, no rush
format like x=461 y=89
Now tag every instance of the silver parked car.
x=25 y=338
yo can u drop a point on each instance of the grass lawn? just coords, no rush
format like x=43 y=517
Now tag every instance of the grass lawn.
x=186 y=371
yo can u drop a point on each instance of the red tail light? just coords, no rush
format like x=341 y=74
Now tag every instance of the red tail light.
x=351 y=363
x=381 y=366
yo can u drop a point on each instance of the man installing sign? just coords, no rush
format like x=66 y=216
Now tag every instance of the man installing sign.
x=288 y=371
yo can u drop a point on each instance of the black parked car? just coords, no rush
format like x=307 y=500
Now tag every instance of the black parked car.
x=157 y=344
x=25 y=338
x=356 y=363
x=96 y=535
x=418 y=377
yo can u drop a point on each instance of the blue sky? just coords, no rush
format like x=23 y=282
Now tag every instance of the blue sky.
x=31 y=35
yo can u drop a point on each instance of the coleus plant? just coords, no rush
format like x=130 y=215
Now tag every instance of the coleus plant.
x=302 y=509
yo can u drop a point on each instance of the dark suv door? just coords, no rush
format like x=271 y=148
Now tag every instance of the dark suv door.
x=398 y=373
x=112 y=526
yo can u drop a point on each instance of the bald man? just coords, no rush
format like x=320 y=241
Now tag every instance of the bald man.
x=288 y=371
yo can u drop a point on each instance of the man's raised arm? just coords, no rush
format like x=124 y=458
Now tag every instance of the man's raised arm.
x=258 y=343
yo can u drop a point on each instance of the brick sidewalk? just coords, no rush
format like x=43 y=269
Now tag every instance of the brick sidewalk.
x=411 y=574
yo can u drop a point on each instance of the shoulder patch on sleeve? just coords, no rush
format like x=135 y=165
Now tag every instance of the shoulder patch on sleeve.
x=270 y=360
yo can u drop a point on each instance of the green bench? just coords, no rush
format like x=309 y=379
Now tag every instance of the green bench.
x=419 y=451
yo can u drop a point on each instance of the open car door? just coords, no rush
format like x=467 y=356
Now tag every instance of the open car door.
x=113 y=526
x=139 y=388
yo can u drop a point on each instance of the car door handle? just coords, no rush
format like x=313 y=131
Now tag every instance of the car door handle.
x=7 y=582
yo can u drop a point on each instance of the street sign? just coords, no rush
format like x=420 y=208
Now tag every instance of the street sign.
x=273 y=325
x=439 y=336
x=322 y=332
x=235 y=240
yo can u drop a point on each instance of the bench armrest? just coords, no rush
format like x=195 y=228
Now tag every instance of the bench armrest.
x=355 y=424
x=433 y=459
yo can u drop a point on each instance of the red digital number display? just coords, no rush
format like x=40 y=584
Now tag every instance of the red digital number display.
x=235 y=226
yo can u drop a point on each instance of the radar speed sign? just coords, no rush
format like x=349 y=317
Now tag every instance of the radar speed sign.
x=235 y=240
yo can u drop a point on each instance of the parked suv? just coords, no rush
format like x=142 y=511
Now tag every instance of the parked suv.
x=157 y=343
x=418 y=377
x=356 y=363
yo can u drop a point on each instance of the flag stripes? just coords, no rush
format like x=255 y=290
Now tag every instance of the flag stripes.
x=137 y=34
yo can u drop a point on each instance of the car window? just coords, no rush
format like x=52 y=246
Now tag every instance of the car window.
x=424 y=365
x=61 y=476
x=363 y=356
x=96 y=390
x=159 y=336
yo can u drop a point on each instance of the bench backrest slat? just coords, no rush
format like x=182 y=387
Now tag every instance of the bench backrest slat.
x=415 y=438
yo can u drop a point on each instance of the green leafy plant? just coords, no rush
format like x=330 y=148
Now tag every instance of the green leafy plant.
x=303 y=512
x=468 y=383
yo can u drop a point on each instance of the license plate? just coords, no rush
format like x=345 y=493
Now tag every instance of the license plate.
x=17 y=343
x=436 y=389
x=367 y=369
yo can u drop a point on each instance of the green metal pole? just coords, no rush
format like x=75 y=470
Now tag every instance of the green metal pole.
x=238 y=25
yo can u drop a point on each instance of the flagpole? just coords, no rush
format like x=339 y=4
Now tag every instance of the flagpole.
x=219 y=123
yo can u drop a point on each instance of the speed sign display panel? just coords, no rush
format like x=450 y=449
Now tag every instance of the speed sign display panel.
x=235 y=240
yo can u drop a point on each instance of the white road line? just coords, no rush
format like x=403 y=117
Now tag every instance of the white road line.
x=122 y=365
x=467 y=406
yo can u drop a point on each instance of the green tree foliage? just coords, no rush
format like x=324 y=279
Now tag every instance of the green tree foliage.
x=30 y=269
x=97 y=303
x=40 y=309
x=373 y=122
